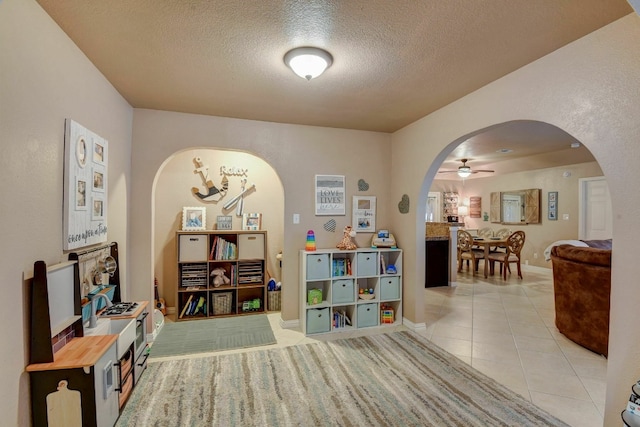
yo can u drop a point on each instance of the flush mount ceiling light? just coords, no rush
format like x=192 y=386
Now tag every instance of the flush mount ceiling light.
x=308 y=62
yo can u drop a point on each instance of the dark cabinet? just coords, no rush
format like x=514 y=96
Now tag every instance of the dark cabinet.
x=436 y=263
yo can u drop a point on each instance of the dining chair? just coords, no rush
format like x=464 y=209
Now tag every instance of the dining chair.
x=485 y=233
x=502 y=233
x=515 y=242
x=467 y=252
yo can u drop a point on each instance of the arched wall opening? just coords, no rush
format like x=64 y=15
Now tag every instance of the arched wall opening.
x=173 y=189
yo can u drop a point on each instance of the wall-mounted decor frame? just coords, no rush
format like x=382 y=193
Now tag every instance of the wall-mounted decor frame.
x=330 y=194
x=224 y=222
x=363 y=214
x=194 y=218
x=552 y=198
x=85 y=187
x=252 y=221
x=475 y=207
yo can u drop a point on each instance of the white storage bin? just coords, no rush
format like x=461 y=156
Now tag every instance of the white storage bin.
x=367 y=315
x=318 y=267
x=342 y=291
x=389 y=288
x=251 y=246
x=192 y=247
x=318 y=320
x=367 y=264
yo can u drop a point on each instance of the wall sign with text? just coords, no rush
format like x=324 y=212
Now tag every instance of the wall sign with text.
x=330 y=195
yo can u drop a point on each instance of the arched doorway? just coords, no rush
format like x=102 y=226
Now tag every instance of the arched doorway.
x=172 y=190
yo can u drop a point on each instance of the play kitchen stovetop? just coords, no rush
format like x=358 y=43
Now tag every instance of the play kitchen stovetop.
x=120 y=309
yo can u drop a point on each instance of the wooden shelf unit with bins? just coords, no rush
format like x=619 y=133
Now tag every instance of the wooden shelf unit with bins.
x=338 y=276
x=242 y=256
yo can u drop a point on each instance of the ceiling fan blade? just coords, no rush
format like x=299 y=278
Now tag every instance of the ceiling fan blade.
x=481 y=170
x=447 y=171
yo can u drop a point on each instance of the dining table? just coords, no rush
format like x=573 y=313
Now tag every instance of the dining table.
x=487 y=243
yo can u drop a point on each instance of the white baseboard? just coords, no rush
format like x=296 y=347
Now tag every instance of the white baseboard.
x=289 y=324
x=415 y=327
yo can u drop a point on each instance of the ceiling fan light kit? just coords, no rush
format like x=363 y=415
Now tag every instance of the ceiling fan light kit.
x=308 y=62
x=465 y=171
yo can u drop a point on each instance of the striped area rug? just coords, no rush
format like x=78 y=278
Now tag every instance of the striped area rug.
x=395 y=379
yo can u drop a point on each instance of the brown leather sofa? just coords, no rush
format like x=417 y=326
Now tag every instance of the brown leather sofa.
x=582 y=287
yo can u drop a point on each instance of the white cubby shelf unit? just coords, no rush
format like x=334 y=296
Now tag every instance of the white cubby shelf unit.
x=335 y=278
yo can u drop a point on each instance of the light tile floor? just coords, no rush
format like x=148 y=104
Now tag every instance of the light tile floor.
x=506 y=330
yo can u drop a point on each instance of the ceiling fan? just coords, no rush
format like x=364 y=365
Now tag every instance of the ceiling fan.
x=464 y=170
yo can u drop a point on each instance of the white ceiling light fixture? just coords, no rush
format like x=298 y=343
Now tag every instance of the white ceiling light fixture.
x=464 y=171
x=308 y=62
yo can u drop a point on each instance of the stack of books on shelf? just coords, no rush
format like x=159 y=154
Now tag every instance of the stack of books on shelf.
x=193 y=306
x=250 y=273
x=222 y=249
x=193 y=275
x=341 y=267
x=340 y=319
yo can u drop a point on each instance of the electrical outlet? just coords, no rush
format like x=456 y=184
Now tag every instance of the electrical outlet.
x=296 y=218
x=535 y=255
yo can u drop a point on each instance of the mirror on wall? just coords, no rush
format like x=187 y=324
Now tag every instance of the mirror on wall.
x=515 y=207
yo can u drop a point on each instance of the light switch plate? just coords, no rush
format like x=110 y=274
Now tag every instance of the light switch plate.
x=296 y=218
x=565 y=217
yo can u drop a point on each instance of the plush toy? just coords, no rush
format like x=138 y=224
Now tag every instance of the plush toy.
x=346 y=243
x=219 y=277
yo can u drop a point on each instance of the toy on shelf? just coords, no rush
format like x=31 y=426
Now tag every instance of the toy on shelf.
x=347 y=243
x=311 y=241
x=386 y=314
x=383 y=239
x=219 y=277
x=391 y=269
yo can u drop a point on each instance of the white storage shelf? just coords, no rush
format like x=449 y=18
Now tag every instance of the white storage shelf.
x=339 y=275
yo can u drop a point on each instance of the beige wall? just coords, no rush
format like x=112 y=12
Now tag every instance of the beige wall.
x=44 y=79
x=173 y=192
x=590 y=89
x=538 y=236
x=296 y=154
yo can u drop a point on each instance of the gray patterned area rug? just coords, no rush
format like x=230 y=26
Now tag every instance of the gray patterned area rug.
x=395 y=379
x=210 y=335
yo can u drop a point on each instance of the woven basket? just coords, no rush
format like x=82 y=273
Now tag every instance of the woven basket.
x=222 y=302
x=273 y=300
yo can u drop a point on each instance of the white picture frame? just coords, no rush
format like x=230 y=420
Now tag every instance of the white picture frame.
x=252 y=221
x=81 y=195
x=330 y=195
x=363 y=214
x=194 y=218
x=97 y=207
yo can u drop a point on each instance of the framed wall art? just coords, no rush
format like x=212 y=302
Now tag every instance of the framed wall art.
x=553 y=206
x=330 y=195
x=364 y=214
x=194 y=218
x=252 y=221
x=85 y=187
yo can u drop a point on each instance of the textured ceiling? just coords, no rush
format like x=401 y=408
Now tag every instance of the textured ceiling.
x=394 y=61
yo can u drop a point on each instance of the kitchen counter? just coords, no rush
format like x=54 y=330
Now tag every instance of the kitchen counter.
x=435 y=238
x=81 y=352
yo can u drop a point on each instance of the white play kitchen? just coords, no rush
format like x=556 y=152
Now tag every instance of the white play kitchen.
x=88 y=349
